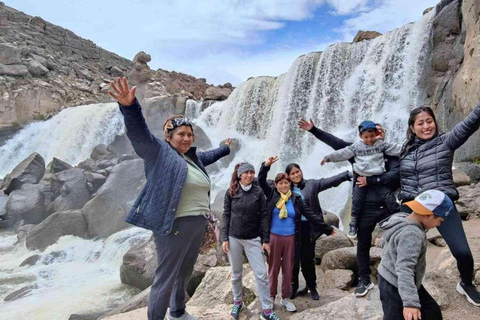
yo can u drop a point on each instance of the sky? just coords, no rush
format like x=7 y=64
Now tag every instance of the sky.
x=223 y=40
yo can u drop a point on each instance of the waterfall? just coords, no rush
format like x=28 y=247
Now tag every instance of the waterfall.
x=193 y=109
x=70 y=135
x=378 y=80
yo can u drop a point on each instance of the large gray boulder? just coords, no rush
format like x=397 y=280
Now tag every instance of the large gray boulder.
x=36 y=68
x=94 y=181
x=70 y=190
x=202 y=141
x=139 y=265
x=106 y=212
x=57 y=165
x=10 y=54
x=346 y=258
x=139 y=301
x=55 y=226
x=3 y=205
x=120 y=145
x=30 y=170
x=27 y=204
x=216 y=93
x=16 y=70
x=326 y=244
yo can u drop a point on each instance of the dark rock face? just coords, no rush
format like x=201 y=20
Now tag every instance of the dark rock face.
x=30 y=170
x=139 y=265
x=70 y=191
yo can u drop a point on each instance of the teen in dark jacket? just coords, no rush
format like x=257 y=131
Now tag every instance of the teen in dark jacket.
x=285 y=209
x=174 y=202
x=309 y=190
x=246 y=230
x=374 y=209
x=426 y=164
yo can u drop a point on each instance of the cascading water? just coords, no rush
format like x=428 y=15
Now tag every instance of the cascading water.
x=70 y=135
x=379 y=80
x=193 y=109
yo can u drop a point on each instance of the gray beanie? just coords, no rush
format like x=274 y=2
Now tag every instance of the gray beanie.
x=244 y=167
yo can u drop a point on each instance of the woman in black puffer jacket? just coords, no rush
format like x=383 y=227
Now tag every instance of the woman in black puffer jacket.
x=426 y=164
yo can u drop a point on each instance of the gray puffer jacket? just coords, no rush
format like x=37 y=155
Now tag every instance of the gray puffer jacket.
x=427 y=164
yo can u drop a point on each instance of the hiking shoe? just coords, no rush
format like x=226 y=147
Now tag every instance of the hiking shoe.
x=302 y=292
x=352 y=231
x=271 y=316
x=293 y=290
x=469 y=290
x=186 y=316
x=288 y=304
x=236 y=311
x=363 y=288
x=314 y=294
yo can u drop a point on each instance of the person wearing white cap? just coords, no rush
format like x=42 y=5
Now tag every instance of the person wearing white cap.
x=403 y=261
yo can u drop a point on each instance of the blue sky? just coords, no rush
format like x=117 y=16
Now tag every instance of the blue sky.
x=223 y=40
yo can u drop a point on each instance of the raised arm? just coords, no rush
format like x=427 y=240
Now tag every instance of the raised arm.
x=262 y=176
x=463 y=130
x=325 y=137
x=143 y=142
x=212 y=156
x=339 y=155
x=331 y=182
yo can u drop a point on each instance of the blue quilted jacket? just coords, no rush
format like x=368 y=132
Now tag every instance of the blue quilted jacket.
x=165 y=170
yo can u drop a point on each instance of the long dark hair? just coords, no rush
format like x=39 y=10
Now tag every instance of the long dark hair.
x=289 y=168
x=234 y=185
x=411 y=120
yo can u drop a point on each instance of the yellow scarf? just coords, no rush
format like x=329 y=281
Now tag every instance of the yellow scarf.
x=281 y=204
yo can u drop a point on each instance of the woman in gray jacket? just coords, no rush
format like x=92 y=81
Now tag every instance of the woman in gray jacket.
x=426 y=164
x=174 y=202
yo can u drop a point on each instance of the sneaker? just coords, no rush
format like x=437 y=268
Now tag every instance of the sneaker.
x=473 y=296
x=236 y=311
x=363 y=288
x=271 y=316
x=186 y=316
x=288 y=304
x=314 y=294
x=352 y=231
x=303 y=292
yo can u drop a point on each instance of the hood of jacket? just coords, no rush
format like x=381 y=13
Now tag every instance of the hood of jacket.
x=395 y=223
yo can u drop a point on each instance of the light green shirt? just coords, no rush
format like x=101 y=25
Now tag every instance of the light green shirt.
x=195 y=199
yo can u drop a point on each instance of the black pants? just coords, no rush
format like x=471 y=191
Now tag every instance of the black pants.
x=307 y=258
x=392 y=304
x=454 y=235
x=359 y=194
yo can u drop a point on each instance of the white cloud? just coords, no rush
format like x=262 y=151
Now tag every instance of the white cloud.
x=343 y=7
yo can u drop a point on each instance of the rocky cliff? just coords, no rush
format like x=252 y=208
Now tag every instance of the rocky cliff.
x=45 y=68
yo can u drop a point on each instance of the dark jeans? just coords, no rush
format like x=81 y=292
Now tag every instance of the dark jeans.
x=454 y=235
x=359 y=194
x=392 y=303
x=371 y=215
x=176 y=257
x=307 y=259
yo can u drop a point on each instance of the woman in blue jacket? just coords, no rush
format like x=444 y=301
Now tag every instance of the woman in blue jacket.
x=174 y=203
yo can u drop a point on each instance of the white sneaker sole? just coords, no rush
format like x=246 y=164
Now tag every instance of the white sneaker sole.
x=462 y=292
x=363 y=294
x=290 y=310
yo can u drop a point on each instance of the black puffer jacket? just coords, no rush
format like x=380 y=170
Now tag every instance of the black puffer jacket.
x=300 y=208
x=427 y=164
x=245 y=215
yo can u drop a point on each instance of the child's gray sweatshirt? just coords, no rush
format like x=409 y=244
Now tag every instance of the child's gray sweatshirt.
x=403 y=256
x=369 y=160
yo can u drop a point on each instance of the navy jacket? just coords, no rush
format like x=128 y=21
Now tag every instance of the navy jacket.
x=165 y=170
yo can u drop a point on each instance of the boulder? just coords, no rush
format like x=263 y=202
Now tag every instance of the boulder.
x=36 y=68
x=347 y=308
x=346 y=258
x=23 y=292
x=139 y=301
x=94 y=181
x=17 y=70
x=120 y=145
x=57 y=165
x=87 y=164
x=460 y=178
x=30 y=170
x=23 y=231
x=142 y=57
x=106 y=212
x=27 y=204
x=217 y=206
x=139 y=265
x=338 y=278
x=83 y=73
x=55 y=226
x=70 y=190
x=235 y=146
x=99 y=152
x=331 y=219
x=116 y=72
x=93 y=315
x=216 y=93
x=366 y=35
x=10 y=54
x=31 y=261
x=326 y=244
x=471 y=169
x=469 y=202
x=3 y=205
x=202 y=141
x=104 y=164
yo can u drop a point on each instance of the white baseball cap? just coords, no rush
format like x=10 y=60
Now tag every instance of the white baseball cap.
x=432 y=202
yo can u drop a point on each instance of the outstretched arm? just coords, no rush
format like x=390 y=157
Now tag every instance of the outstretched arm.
x=325 y=137
x=463 y=130
x=144 y=143
x=262 y=176
x=331 y=182
x=212 y=156
x=339 y=155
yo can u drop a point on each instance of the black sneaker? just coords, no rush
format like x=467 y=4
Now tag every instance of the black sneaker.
x=363 y=288
x=271 y=316
x=352 y=231
x=314 y=294
x=293 y=290
x=236 y=311
x=303 y=292
x=469 y=290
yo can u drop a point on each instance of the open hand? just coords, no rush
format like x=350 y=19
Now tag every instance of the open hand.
x=228 y=142
x=271 y=161
x=411 y=314
x=324 y=161
x=306 y=125
x=361 y=181
x=121 y=92
x=225 y=246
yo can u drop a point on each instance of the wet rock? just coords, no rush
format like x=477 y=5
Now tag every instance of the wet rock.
x=103 y=164
x=106 y=212
x=94 y=181
x=139 y=265
x=27 y=204
x=99 y=152
x=139 y=301
x=86 y=316
x=3 y=205
x=57 y=165
x=54 y=257
x=55 y=226
x=87 y=165
x=23 y=231
x=366 y=35
x=69 y=188
x=234 y=148
x=31 y=261
x=30 y=170
x=326 y=244
x=23 y=292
